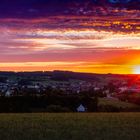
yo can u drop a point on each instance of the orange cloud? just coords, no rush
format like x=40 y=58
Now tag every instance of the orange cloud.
x=98 y=44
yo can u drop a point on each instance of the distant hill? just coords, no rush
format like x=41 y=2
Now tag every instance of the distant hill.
x=62 y=75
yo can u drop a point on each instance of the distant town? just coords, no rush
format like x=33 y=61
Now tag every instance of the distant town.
x=110 y=85
x=124 y=88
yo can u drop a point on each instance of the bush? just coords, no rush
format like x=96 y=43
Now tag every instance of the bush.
x=108 y=108
x=57 y=108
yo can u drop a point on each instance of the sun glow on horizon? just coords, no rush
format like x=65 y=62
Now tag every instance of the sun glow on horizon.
x=136 y=70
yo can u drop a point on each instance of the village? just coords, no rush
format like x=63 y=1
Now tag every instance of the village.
x=108 y=86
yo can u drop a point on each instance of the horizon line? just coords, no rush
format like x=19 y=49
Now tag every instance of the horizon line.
x=69 y=71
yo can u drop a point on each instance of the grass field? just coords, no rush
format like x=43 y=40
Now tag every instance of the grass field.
x=119 y=104
x=96 y=126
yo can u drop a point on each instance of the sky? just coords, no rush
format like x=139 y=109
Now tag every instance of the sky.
x=73 y=36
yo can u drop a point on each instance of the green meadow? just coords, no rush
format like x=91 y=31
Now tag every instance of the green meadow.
x=70 y=126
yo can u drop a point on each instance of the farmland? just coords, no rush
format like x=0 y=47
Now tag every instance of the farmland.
x=70 y=126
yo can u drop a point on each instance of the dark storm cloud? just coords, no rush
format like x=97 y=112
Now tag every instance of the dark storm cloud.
x=40 y=8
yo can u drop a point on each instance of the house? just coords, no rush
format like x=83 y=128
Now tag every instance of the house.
x=96 y=88
x=123 y=89
x=8 y=93
x=81 y=108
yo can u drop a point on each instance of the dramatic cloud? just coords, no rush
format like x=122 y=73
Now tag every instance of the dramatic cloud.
x=99 y=39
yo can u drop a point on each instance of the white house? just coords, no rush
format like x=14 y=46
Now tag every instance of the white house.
x=96 y=88
x=81 y=108
x=8 y=93
x=123 y=89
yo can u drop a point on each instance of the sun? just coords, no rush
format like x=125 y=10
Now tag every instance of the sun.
x=136 y=70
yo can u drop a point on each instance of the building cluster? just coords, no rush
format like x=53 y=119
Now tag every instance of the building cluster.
x=11 y=87
x=107 y=89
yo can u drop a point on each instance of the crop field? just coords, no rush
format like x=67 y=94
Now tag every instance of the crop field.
x=70 y=126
